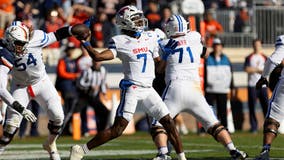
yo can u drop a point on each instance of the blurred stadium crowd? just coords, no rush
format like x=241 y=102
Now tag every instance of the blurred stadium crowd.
x=235 y=22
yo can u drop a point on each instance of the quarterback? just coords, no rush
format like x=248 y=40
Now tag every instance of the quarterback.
x=137 y=49
x=183 y=93
x=30 y=80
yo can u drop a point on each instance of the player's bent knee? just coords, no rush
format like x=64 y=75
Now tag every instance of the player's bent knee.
x=54 y=128
x=156 y=130
x=167 y=121
x=215 y=130
x=271 y=126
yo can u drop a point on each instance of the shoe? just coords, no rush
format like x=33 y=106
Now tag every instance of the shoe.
x=264 y=155
x=52 y=150
x=2 y=149
x=76 y=152
x=236 y=154
x=163 y=157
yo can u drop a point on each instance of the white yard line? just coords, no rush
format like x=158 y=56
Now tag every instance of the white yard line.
x=35 y=151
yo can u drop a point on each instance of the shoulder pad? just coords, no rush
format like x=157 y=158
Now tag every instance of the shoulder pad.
x=39 y=38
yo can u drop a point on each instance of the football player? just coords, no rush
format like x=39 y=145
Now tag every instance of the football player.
x=5 y=66
x=30 y=80
x=137 y=50
x=275 y=112
x=183 y=93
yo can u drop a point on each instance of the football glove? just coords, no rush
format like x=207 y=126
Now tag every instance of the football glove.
x=262 y=81
x=27 y=114
x=169 y=48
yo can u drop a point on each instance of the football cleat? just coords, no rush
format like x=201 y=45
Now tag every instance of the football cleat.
x=76 y=152
x=52 y=150
x=264 y=155
x=162 y=157
x=238 y=155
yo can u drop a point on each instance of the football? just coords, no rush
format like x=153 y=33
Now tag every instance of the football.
x=80 y=31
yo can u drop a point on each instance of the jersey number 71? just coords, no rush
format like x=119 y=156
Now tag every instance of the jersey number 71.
x=180 y=50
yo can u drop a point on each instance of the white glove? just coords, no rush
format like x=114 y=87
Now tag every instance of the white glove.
x=29 y=116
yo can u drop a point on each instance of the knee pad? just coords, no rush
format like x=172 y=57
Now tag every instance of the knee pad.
x=54 y=128
x=215 y=130
x=8 y=134
x=271 y=126
x=155 y=130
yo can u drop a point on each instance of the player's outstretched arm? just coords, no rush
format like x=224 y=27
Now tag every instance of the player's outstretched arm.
x=97 y=56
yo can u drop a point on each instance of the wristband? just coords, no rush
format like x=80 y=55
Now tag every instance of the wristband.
x=18 y=107
x=86 y=44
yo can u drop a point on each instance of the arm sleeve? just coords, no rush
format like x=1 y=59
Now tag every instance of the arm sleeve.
x=272 y=61
x=247 y=62
x=63 y=33
x=61 y=71
x=4 y=93
x=268 y=67
x=43 y=39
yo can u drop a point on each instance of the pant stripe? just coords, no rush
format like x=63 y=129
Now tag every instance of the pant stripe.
x=165 y=91
x=119 y=111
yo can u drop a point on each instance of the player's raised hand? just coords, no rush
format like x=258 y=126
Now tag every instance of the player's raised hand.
x=29 y=116
x=168 y=48
x=262 y=81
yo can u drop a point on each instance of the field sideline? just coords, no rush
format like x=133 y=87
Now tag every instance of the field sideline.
x=140 y=147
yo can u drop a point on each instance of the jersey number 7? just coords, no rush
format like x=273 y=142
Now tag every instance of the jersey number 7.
x=144 y=56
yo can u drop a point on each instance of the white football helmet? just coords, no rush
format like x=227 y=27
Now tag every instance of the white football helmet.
x=132 y=19
x=176 y=25
x=17 y=36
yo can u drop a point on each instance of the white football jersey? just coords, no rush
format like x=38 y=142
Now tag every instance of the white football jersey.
x=184 y=63
x=137 y=56
x=29 y=69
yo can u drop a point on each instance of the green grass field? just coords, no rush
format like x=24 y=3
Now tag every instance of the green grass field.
x=139 y=146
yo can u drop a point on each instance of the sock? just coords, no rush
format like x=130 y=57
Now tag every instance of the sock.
x=163 y=150
x=266 y=147
x=85 y=148
x=181 y=156
x=230 y=146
